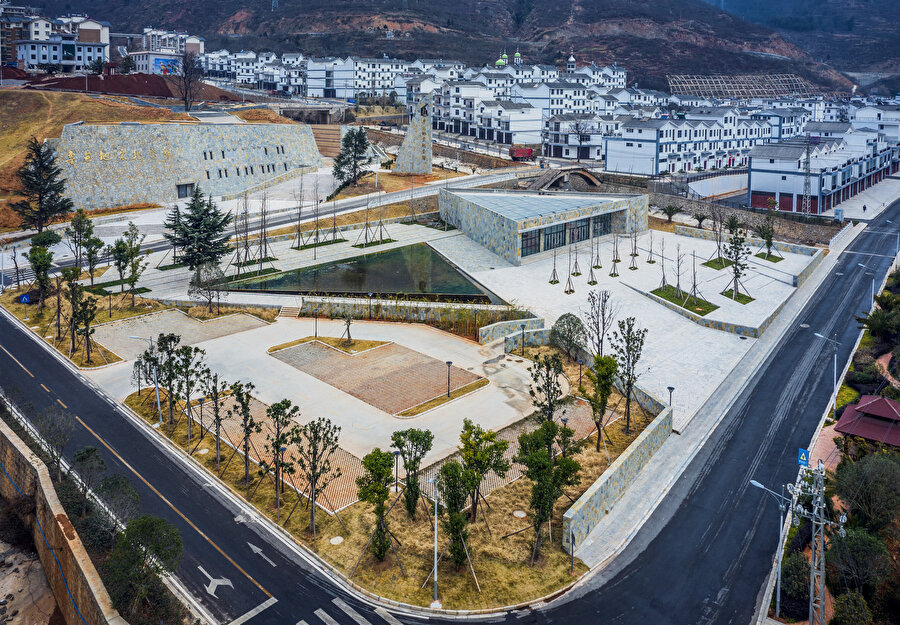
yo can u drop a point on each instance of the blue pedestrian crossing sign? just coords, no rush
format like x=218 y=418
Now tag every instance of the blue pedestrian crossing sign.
x=803 y=457
x=24 y=299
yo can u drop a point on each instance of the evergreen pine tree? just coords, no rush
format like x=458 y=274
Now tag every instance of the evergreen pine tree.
x=348 y=164
x=200 y=233
x=42 y=187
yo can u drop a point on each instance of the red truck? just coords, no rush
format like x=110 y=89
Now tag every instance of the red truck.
x=521 y=154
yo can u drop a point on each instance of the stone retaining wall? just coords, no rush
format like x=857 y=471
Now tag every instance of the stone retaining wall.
x=407 y=311
x=598 y=500
x=533 y=338
x=489 y=334
x=77 y=587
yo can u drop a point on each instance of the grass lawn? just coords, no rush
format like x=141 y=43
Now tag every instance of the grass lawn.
x=374 y=243
x=717 y=263
x=309 y=246
x=502 y=565
x=250 y=263
x=443 y=399
x=354 y=347
x=695 y=305
x=250 y=274
x=43 y=322
x=742 y=298
x=772 y=258
x=846 y=395
x=172 y=266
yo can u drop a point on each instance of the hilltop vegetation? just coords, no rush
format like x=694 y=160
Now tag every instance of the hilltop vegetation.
x=24 y=114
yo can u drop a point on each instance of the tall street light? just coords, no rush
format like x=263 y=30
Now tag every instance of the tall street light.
x=435 y=604
x=782 y=506
x=155 y=378
x=873 y=282
x=449 y=364
x=835 y=344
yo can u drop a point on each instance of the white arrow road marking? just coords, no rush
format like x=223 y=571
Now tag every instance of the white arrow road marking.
x=356 y=616
x=249 y=615
x=325 y=617
x=387 y=616
x=215 y=582
x=260 y=553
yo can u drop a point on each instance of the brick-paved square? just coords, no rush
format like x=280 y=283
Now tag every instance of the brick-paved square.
x=391 y=377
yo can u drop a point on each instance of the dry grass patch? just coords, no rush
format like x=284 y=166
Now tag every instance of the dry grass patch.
x=42 y=321
x=203 y=313
x=43 y=114
x=353 y=347
x=263 y=116
x=443 y=399
x=423 y=205
x=663 y=225
x=390 y=182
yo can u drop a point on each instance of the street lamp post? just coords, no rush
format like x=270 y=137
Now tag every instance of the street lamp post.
x=782 y=506
x=435 y=603
x=396 y=471
x=873 y=283
x=835 y=344
x=671 y=390
x=155 y=377
x=316 y=331
x=522 y=326
x=449 y=364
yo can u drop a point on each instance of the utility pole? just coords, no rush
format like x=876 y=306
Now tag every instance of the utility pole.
x=815 y=490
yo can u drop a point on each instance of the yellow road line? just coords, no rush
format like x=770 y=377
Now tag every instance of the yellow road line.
x=62 y=404
x=17 y=361
x=176 y=510
x=45 y=388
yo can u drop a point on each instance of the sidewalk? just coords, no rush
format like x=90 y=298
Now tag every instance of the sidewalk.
x=876 y=198
x=616 y=530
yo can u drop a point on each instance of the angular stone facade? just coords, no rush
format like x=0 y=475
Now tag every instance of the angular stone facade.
x=415 y=153
x=120 y=164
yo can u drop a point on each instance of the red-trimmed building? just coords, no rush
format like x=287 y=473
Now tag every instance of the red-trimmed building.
x=874 y=418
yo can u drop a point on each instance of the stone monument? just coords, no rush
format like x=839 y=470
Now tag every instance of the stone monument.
x=415 y=153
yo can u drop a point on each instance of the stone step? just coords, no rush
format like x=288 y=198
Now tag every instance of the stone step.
x=289 y=311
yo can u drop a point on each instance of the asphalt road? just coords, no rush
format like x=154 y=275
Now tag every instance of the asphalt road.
x=702 y=557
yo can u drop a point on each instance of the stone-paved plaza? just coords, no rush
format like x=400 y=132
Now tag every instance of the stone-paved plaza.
x=390 y=377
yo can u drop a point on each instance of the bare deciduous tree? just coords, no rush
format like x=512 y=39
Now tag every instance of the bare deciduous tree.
x=598 y=318
x=56 y=427
x=189 y=75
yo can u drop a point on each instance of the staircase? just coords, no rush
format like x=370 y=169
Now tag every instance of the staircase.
x=289 y=311
x=328 y=139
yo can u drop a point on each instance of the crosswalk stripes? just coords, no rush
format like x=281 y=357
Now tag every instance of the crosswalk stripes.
x=356 y=616
x=325 y=617
x=387 y=616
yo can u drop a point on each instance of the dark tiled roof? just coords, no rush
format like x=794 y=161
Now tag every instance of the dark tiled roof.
x=872 y=418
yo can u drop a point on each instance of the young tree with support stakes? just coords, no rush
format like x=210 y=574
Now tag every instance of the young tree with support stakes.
x=765 y=230
x=74 y=294
x=598 y=318
x=41 y=260
x=602 y=377
x=137 y=262
x=79 y=230
x=92 y=248
x=214 y=388
x=481 y=451
x=413 y=444
x=190 y=366
x=373 y=487
x=206 y=283
x=166 y=361
x=451 y=480
x=121 y=258
x=628 y=343
x=737 y=252
x=282 y=417
x=242 y=394
x=86 y=315
x=316 y=443
x=42 y=187
x=545 y=391
x=548 y=471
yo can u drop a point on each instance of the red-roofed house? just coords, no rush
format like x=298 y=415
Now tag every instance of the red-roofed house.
x=874 y=418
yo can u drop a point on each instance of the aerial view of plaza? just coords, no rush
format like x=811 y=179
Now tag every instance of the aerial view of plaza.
x=404 y=311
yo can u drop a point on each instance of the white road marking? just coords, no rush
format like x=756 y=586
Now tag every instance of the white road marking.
x=387 y=616
x=260 y=553
x=301 y=623
x=325 y=617
x=356 y=616
x=215 y=582
x=249 y=615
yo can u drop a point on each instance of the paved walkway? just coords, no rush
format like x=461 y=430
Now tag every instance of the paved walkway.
x=619 y=527
x=876 y=198
x=243 y=356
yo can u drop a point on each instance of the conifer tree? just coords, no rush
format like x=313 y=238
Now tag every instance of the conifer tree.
x=200 y=233
x=42 y=187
